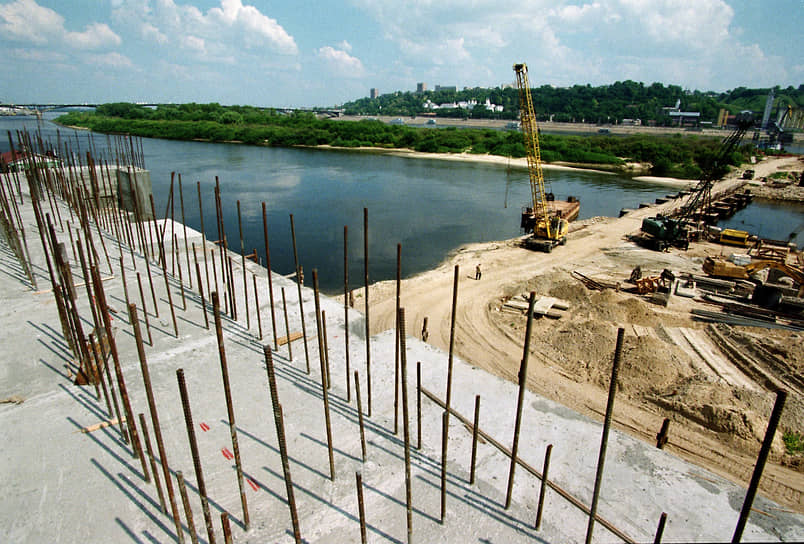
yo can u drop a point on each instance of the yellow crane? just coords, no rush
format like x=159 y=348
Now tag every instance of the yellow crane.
x=548 y=228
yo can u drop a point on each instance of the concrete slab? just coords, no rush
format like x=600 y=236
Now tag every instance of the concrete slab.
x=60 y=485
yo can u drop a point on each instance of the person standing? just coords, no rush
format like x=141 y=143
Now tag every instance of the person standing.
x=477 y=272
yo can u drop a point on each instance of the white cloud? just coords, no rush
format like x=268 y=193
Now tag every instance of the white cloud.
x=150 y=33
x=226 y=30
x=687 y=42
x=27 y=21
x=346 y=46
x=110 y=60
x=340 y=62
x=194 y=43
x=96 y=36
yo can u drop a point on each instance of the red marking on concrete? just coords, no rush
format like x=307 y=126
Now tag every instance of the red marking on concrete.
x=204 y=426
x=226 y=453
x=254 y=486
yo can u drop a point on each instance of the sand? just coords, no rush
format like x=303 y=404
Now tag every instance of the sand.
x=573 y=355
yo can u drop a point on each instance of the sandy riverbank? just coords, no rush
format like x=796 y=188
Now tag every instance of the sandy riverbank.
x=629 y=169
x=571 y=353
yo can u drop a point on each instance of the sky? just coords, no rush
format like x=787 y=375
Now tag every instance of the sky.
x=305 y=53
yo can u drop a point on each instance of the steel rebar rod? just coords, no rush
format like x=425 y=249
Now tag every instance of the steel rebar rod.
x=268 y=271
x=199 y=474
x=346 y=310
x=368 y=330
x=280 y=436
x=184 y=227
x=403 y=364
x=216 y=309
x=160 y=444
x=324 y=378
x=257 y=304
x=523 y=379
x=604 y=439
x=543 y=487
x=287 y=326
x=397 y=336
x=188 y=511
x=203 y=237
x=181 y=276
x=147 y=439
x=243 y=266
x=299 y=285
x=361 y=507
x=418 y=405
x=144 y=310
x=360 y=417
x=475 y=429
x=756 y=476
x=660 y=529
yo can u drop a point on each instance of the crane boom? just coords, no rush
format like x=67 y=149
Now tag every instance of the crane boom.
x=548 y=226
x=530 y=134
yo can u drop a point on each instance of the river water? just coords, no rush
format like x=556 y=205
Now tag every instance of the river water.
x=430 y=207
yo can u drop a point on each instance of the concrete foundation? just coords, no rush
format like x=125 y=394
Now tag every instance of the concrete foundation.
x=59 y=484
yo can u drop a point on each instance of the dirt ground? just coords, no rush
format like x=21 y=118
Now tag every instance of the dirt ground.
x=718 y=413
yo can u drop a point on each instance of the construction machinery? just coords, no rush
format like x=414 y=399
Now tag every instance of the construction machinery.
x=726 y=269
x=663 y=231
x=547 y=222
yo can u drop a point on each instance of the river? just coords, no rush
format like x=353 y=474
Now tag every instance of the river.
x=430 y=207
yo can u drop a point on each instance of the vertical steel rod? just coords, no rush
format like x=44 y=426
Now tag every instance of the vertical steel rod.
x=452 y=339
x=268 y=270
x=181 y=276
x=184 y=227
x=199 y=474
x=397 y=337
x=361 y=507
x=360 y=417
x=770 y=432
x=368 y=328
x=188 y=511
x=418 y=405
x=227 y=530
x=326 y=346
x=243 y=265
x=475 y=429
x=299 y=285
x=346 y=309
x=257 y=304
x=147 y=439
x=144 y=310
x=444 y=438
x=203 y=237
x=287 y=326
x=280 y=436
x=216 y=308
x=170 y=302
x=324 y=379
x=201 y=292
x=604 y=439
x=523 y=379
x=403 y=366
x=660 y=529
x=146 y=378
x=543 y=487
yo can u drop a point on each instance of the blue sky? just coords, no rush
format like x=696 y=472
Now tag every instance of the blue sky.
x=326 y=52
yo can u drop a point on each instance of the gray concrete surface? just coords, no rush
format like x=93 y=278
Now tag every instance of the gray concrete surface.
x=60 y=485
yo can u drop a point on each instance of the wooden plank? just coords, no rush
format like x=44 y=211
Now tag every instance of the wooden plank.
x=282 y=340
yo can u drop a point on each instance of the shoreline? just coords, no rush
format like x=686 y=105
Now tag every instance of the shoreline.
x=516 y=163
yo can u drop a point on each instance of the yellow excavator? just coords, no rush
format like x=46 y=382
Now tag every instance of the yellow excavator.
x=722 y=268
x=548 y=227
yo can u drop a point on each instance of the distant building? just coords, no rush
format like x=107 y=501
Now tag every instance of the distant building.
x=421 y=87
x=452 y=88
x=374 y=93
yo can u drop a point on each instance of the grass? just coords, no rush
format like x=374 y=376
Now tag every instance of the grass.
x=793 y=441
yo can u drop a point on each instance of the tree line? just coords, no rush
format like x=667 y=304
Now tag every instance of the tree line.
x=677 y=156
x=582 y=103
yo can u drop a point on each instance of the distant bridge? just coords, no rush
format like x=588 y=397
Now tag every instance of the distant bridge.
x=38 y=109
